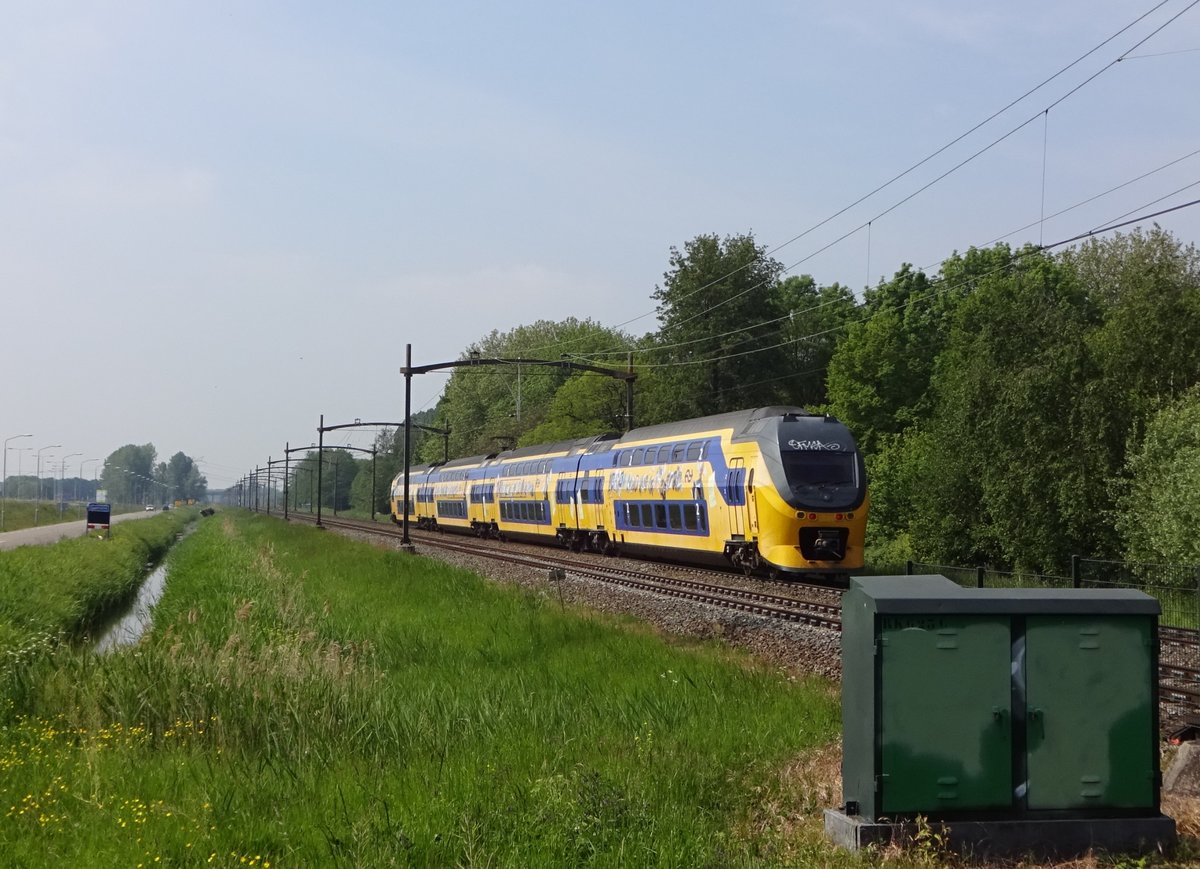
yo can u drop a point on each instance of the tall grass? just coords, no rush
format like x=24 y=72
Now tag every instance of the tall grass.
x=63 y=588
x=304 y=700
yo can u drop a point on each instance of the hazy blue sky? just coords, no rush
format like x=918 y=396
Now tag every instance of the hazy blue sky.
x=219 y=220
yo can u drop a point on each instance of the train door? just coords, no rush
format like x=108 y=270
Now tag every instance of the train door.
x=752 y=505
x=487 y=496
x=737 y=498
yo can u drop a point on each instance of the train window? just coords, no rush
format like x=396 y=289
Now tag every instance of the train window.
x=637 y=456
x=805 y=469
x=703 y=517
x=690 y=517
x=695 y=450
x=626 y=457
x=647 y=515
x=633 y=516
x=660 y=515
x=673 y=513
x=677 y=452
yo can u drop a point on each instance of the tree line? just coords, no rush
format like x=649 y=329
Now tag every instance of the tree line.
x=132 y=474
x=1015 y=407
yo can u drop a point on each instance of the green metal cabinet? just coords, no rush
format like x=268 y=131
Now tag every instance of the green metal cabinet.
x=1090 y=711
x=997 y=702
x=945 y=742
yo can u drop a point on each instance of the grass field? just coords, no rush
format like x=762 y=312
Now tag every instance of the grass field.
x=19 y=514
x=304 y=700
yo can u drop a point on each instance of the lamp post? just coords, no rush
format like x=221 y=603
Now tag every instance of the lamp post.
x=37 y=495
x=4 y=478
x=95 y=473
x=18 y=451
x=62 y=476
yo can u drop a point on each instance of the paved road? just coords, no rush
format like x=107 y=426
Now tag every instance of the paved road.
x=44 y=534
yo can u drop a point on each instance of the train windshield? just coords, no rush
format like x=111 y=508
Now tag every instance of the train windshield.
x=807 y=470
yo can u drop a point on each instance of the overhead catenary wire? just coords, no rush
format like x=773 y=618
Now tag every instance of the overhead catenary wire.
x=791 y=315
x=867 y=224
x=939 y=151
x=1016 y=257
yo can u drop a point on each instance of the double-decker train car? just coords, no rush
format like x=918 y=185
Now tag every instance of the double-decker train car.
x=775 y=489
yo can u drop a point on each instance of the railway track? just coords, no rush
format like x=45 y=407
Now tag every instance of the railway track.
x=730 y=597
x=1179 y=648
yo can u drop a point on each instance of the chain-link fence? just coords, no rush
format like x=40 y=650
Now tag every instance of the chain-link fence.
x=1176 y=586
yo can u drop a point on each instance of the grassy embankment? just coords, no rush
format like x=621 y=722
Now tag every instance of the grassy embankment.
x=50 y=592
x=304 y=700
x=19 y=514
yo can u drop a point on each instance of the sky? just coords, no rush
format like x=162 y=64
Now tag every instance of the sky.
x=220 y=220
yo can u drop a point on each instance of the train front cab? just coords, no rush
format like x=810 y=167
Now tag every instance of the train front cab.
x=809 y=518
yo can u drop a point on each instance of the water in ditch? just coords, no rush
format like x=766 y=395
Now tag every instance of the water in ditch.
x=128 y=628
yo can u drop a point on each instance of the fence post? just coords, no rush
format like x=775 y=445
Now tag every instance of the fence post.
x=979 y=577
x=908 y=568
x=1075 y=571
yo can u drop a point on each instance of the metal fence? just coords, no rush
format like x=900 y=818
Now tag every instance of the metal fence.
x=1176 y=586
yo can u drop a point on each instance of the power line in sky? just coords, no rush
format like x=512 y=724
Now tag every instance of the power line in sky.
x=894 y=179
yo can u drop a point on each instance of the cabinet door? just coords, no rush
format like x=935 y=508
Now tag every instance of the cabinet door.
x=1089 y=716
x=946 y=729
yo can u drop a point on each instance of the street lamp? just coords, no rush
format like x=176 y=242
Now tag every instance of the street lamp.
x=18 y=451
x=4 y=478
x=62 y=474
x=37 y=495
x=95 y=474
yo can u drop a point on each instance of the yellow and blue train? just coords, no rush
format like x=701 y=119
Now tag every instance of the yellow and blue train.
x=772 y=489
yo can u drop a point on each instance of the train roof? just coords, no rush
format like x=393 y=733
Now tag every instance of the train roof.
x=567 y=447
x=465 y=460
x=742 y=422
